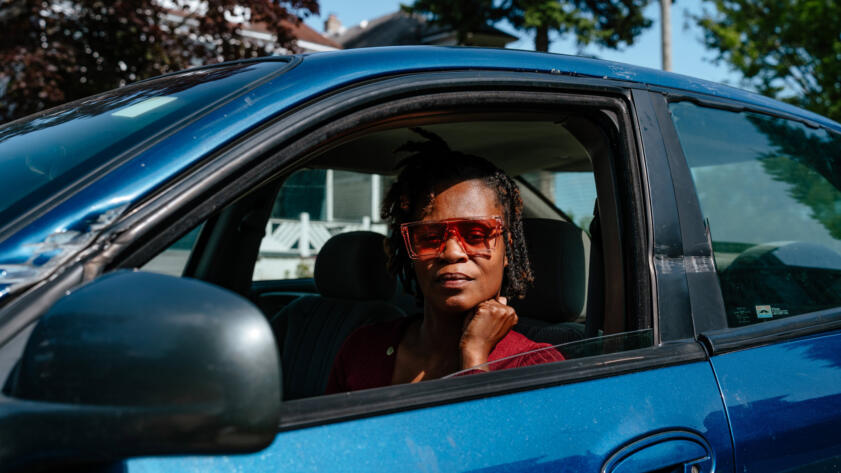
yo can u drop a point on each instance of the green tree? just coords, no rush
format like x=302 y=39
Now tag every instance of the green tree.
x=609 y=23
x=54 y=51
x=787 y=49
x=463 y=16
x=804 y=158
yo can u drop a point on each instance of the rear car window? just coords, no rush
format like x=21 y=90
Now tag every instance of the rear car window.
x=769 y=188
x=43 y=153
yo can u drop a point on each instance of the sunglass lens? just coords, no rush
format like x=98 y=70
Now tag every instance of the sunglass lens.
x=427 y=238
x=477 y=235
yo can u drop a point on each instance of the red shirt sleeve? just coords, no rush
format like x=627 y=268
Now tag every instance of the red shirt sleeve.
x=516 y=350
x=544 y=354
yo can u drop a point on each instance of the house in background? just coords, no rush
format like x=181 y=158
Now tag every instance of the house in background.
x=401 y=28
x=308 y=40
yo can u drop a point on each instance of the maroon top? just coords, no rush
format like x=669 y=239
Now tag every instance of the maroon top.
x=366 y=359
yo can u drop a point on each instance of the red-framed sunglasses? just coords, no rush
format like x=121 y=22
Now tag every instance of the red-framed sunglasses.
x=477 y=236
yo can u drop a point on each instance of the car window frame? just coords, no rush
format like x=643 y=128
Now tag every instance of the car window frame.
x=271 y=150
x=704 y=289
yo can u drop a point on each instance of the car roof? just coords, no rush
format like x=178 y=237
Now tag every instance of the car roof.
x=358 y=64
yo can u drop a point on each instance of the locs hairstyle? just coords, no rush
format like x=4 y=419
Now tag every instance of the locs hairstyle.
x=432 y=167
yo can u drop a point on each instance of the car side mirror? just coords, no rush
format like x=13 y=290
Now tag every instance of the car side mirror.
x=137 y=363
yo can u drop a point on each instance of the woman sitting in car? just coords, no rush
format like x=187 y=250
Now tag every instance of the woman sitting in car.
x=457 y=242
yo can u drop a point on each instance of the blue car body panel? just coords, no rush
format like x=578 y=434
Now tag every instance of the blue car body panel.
x=562 y=428
x=784 y=404
x=314 y=76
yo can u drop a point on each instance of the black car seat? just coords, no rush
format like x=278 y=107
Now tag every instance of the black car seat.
x=560 y=257
x=353 y=285
x=595 y=287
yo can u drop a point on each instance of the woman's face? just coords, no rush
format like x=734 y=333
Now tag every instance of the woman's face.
x=454 y=281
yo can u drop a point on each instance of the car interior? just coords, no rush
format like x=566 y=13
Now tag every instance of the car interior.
x=581 y=286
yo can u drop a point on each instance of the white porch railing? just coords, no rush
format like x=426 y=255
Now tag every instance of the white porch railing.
x=304 y=237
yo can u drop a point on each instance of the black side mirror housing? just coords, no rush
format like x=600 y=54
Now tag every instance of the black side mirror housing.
x=137 y=363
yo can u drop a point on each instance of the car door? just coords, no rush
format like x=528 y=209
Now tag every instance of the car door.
x=655 y=408
x=769 y=191
x=620 y=406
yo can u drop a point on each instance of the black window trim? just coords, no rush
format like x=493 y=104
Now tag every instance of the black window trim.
x=774 y=331
x=669 y=250
x=704 y=292
x=733 y=105
x=286 y=142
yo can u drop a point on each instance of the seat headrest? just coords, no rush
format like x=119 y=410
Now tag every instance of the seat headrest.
x=559 y=253
x=353 y=266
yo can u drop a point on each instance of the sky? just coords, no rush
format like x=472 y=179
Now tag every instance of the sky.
x=689 y=56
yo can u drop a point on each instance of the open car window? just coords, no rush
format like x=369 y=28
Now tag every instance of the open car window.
x=340 y=192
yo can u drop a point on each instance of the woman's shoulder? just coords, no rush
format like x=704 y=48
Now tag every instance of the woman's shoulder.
x=515 y=343
x=366 y=358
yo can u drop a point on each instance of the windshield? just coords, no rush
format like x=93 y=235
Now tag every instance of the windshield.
x=44 y=153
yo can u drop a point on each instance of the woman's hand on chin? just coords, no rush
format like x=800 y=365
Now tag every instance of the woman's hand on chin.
x=488 y=323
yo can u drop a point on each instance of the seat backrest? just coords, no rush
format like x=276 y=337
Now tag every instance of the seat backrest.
x=595 y=289
x=553 y=307
x=353 y=285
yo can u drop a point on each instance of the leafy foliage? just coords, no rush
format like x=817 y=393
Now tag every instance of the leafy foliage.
x=463 y=16
x=789 y=49
x=58 y=50
x=805 y=160
x=606 y=22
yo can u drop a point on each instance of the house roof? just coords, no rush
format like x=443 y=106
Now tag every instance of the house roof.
x=401 y=28
x=301 y=31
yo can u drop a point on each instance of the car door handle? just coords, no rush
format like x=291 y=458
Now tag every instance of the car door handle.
x=672 y=451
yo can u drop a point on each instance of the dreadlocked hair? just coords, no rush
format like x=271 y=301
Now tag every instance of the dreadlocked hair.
x=433 y=165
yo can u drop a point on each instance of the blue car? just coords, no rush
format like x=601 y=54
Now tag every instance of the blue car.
x=181 y=260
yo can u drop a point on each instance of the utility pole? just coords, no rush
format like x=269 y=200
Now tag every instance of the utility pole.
x=666 y=32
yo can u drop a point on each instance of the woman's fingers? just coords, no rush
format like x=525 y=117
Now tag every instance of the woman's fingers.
x=490 y=321
x=495 y=313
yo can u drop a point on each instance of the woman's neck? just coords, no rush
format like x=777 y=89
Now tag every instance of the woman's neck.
x=439 y=333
